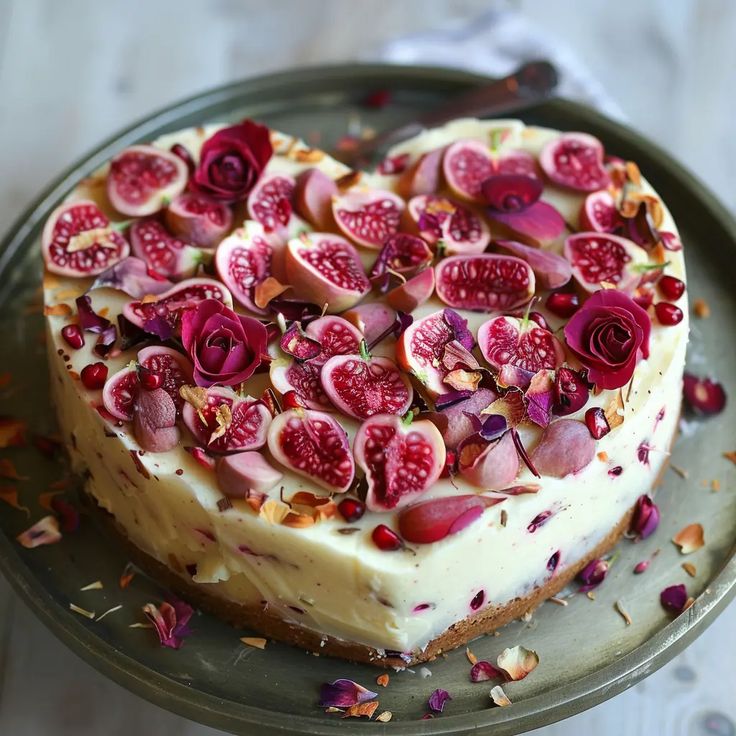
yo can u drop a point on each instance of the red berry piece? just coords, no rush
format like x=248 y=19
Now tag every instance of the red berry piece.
x=351 y=509
x=668 y=314
x=596 y=422
x=94 y=375
x=73 y=336
x=671 y=287
x=563 y=304
x=386 y=539
x=704 y=395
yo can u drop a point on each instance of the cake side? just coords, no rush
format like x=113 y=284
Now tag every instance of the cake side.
x=171 y=508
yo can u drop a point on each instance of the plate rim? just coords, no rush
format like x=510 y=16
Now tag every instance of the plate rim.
x=533 y=712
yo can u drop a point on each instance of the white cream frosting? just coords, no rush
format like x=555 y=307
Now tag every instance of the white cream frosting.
x=338 y=584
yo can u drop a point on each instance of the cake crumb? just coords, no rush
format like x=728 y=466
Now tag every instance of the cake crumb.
x=382 y=680
x=690 y=569
x=257 y=642
x=701 y=308
x=730 y=456
x=715 y=485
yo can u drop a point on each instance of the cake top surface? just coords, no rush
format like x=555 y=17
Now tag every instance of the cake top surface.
x=471 y=321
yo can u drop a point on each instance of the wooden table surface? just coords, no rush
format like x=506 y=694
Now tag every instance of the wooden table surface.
x=72 y=72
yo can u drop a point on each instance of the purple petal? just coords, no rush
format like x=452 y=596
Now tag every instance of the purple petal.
x=459 y=326
x=482 y=671
x=159 y=326
x=450 y=398
x=645 y=519
x=88 y=319
x=131 y=276
x=493 y=427
x=541 y=222
x=674 y=598
x=592 y=575
x=343 y=693
x=437 y=700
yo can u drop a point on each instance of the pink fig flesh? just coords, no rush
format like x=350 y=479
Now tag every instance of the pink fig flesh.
x=402 y=253
x=119 y=393
x=325 y=269
x=431 y=521
x=363 y=388
x=550 y=270
x=335 y=335
x=368 y=217
x=400 y=462
x=313 y=445
x=575 y=161
x=142 y=180
x=303 y=379
x=466 y=165
x=486 y=282
x=489 y=465
x=565 y=447
x=199 y=219
x=154 y=421
x=163 y=252
x=313 y=193
x=412 y=293
x=245 y=471
x=174 y=368
x=270 y=202
x=422 y=177
x=599 y=213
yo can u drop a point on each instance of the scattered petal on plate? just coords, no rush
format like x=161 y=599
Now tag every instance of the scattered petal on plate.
x=170 y=621
x=674 y=598
x=690 y=569
x=82 y=611
x=257 y=642
x=126 y=576
x=471 y=657
x=8 y=470
x=9 y=494
x=361 y=709
x=646 y=518
x=619 y=606
x=690 y=538
x=730 y=456
x=438 y=699
x=343 y=694
x=516 y=663
x=67 y=514
x=385 y=717
x=382 y=680
x=704 y=395
x=97 y=585
x=44 y=531
x=109 y=611
x=593 y=574
x=499 y=697
x=483 y=671
x=12 y=432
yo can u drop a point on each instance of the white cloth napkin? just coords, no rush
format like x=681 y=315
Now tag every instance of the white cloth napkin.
x=495 y=44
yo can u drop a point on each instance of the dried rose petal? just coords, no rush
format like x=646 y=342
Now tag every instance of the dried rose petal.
x=438 y=699
x=482 y=671
x=499 y=697
x=645 y=519
x=690 y=538
x=593 y=574
x=641 y=567
x=170 y=621
x=44 y=531
x=704 y=395
x=674 y=598
x=343 y=694
x=132 y=276
x=516 y=663
x=67 y=513
x=539 y=397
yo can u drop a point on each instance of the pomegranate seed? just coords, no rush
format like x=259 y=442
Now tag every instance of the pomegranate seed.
x=704 y=395
x=478 y=600
x=386 y=539
x=596 y=422
x=671 y=287
x=73 y=336
x=351 y=509
x=538 y=317
x=94 y=375
x=615 y=471
x=149 y=380
x=178 y=150
x=668 y=314
x=563 y=304
x=291 y=400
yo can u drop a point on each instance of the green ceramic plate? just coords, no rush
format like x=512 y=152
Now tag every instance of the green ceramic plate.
x=587 y=652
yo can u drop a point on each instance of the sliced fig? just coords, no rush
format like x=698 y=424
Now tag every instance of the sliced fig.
x=199 y=219
x=402 y=253
x=431 y=521
x=423 y=176
x=78 y=240
x=243 y=427
x=401 y=461
x=412 y=293
x=599 y=213
x=313 y=193
x=485 y=282
x=270 y=202
x=335 y=335
x=243 y=260
x=550 y=270
x=489 y=465
x=119 y=393
x=174 y=368
x=301 y=378
x=467 y=163
x=368 y=216
x=326 y=269
x=575 y=161
x=363 y=386
x=565 y=447
x=163 y=252
x=314 y=445
x=598 y=258
x=460 y=229
x=142 y=180
x=245 y=471
x=522 y=343
x=373 y=320
x=459 y=424
x=164 y=312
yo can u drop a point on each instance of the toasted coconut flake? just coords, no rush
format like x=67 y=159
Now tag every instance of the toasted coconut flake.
x=382 y=680
x=499 y=697
x=633 y=174
x=273 y=511
x=701 y=309
x=510 y=406
x=12 y=432
x=82 y=611
x=343 y=693
x=516 y=663
x=298 y=521
x=139 y=625
x=57 y=310
x=471 y=657
x=730 y=456
x=361 y=710
x=43 y=532
x=690 y=538
x=385 y=717
x=267 y=290
x=690 y=569
x=619 y=606
x=197 y=397
x=9 y=494
x=9 y=471
x=602 y=456
x=224 y=418
x=438 y=699
x=715 y=485
x=614 y=412
x=307 y=155
x=97 y=585
x=109 y=611
x=558 y=601
x=126 y=577
x=257 y=642
x=462 y=380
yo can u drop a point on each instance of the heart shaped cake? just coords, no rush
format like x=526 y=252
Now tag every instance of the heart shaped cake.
x=374 y=414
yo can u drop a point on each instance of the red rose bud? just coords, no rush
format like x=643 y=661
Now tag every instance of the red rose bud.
x=226 y=348
x=232 y=160
x=609 y=334
x=593 y=574
x=674 y=598
x=645 y=519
